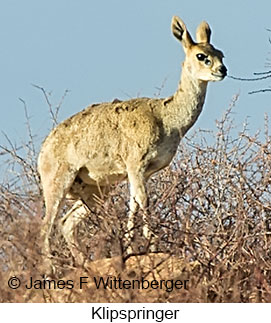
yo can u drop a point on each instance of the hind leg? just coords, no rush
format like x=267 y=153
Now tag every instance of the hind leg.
x=55 y=187
x=84 y=197
x=75 y=215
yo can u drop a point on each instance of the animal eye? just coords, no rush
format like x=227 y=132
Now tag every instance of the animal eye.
x=207 y=62
x=201 y=57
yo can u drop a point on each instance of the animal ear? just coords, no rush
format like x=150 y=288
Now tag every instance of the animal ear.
x=203 y=34
x=181 y=33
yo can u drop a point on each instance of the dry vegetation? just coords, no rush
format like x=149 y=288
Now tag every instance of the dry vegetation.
x=210 y=213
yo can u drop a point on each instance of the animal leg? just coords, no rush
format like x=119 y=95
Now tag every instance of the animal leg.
x=78 y=212
x=146 y=231
x=84 y=196
x=138 y=198
x=54 y=190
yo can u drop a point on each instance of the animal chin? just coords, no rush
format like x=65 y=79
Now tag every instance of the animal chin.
x=218 y=77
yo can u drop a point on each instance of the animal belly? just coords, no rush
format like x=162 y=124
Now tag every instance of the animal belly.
x=99 y=177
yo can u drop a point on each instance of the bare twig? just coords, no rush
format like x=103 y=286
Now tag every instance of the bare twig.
x=259 y=91
x=160 y=88
x=262 y=73
x=29 y=130
x=249 y=79
x=59 y=105
x=53 y=111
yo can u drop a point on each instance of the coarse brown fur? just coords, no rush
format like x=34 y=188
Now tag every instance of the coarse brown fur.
x=110 y=142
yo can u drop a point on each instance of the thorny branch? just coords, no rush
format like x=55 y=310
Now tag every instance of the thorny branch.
x=53 y=111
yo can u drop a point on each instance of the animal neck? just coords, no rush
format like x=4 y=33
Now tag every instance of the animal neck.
x=186 y=104
x=189 y=86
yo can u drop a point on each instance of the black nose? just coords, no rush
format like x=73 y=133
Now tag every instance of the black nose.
x=223 y=70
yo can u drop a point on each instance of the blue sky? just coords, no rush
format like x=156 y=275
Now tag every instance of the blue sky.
x=101 y=50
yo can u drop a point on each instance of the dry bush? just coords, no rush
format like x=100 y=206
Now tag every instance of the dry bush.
x=210 y=212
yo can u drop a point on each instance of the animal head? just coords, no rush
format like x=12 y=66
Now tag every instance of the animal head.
x=203 y=61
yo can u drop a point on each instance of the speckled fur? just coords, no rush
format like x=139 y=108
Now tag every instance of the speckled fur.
x=133 y=139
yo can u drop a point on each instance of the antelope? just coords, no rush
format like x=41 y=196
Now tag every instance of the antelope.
x=110 y=142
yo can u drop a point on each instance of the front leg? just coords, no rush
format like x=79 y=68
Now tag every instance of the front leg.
x=138 y=199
